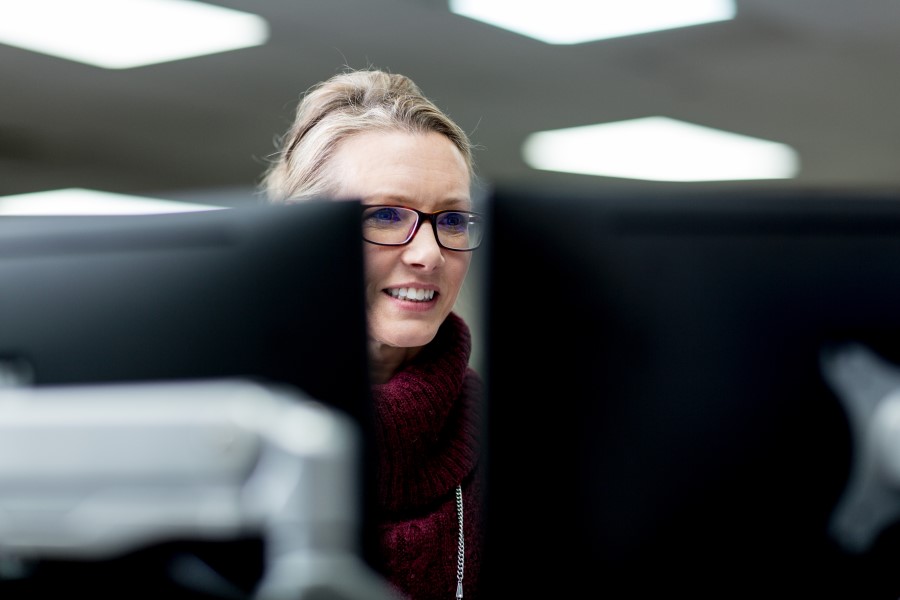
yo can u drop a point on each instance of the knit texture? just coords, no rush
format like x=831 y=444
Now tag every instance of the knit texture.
x=427 y=431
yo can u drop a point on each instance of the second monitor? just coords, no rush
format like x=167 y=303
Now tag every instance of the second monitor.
x=663 y=408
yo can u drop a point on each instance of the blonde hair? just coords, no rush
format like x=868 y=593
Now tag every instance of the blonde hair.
x=349 y=103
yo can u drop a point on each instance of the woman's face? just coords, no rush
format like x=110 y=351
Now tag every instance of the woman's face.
x=422 y=171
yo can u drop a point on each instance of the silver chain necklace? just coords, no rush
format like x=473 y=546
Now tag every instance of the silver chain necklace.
x=461 y=545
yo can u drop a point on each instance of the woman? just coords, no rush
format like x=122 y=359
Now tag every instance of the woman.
x=374 y=136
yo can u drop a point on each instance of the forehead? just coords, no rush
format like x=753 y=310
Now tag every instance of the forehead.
x=420 y=169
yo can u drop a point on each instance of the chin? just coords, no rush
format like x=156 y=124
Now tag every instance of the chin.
x=400 y=337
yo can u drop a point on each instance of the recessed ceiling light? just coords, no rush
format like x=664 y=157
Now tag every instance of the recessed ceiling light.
x=659 y=149
x=78 y=201
x=576 y=21
x=120 y=34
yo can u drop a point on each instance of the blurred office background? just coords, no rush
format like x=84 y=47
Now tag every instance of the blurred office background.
x=811 y=87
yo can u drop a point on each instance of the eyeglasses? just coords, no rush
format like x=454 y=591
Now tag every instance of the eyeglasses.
x=397 y=225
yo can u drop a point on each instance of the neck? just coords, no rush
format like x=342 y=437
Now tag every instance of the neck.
x=385 y=361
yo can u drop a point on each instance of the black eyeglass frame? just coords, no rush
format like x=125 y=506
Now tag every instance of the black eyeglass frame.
x=424 y=216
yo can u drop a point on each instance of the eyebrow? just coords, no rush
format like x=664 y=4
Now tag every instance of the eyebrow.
x=465 y=204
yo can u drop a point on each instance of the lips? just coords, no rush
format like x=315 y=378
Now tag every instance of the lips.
x=412 y=294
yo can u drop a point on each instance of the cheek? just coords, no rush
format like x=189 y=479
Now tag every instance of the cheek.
x=457 y=267
x=377 y=265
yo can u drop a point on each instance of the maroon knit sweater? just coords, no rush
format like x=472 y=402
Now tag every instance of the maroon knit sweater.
x=427 y=427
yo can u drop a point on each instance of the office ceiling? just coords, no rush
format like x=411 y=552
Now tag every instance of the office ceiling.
x=820 y=75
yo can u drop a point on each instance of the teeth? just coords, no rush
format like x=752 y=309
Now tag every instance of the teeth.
x=417 y=295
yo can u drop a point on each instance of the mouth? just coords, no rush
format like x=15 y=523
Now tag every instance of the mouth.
x=411 y=294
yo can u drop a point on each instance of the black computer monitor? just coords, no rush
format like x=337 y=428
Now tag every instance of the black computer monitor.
x=272 y=294
x=264 y=292
x=679 y=393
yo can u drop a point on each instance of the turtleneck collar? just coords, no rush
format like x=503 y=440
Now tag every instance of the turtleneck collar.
x=427 y=422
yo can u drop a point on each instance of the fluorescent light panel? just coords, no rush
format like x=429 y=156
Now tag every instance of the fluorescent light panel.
x=121 y=34
x=577 y=21
x=659 y=149
x=79 y=201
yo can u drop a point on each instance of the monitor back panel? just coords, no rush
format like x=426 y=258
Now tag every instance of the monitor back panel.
x=657 y=408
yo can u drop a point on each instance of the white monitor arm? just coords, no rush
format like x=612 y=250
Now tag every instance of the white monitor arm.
x=91 y=472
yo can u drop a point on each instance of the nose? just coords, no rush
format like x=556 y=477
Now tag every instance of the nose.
x=423 y=249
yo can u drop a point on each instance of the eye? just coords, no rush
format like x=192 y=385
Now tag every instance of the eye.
x=453 y=221
x=381 y=215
